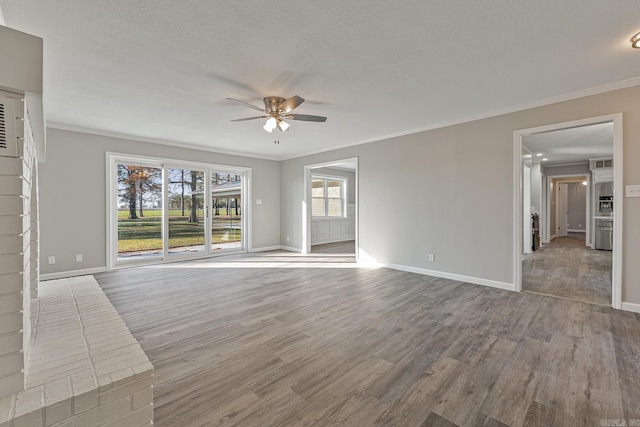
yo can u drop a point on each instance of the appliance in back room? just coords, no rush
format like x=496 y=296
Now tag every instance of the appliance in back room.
x=604 y=216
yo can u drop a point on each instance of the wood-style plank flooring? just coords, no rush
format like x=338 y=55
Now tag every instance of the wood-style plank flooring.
x=346 y=247
x=279 y=339
x=566 y=268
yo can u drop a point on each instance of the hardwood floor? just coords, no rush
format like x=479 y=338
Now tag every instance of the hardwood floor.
x=346 y=247
x=566 y=268
x=279 y=339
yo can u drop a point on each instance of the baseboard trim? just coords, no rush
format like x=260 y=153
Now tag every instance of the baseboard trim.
x=266 y=249
x=631 y=306
x=577 y=231
x=72 y=273
x=452 y=276
x=291 y=249
x=342 y=239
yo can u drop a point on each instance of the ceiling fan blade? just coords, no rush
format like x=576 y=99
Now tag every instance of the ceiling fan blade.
x=249 y=118
x=307 y=118
x=291 y=103
x=248 y=105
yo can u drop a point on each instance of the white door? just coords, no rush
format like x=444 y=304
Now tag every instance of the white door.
x=562 y=209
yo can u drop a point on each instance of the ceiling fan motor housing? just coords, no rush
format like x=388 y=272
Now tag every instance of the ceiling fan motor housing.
x=271 y=104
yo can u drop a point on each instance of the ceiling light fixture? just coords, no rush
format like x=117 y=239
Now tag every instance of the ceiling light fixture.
x=544 y=160
x=270 y=125
x=635 y=41
x=539 y=154
x=283 y=126
x=584 y=182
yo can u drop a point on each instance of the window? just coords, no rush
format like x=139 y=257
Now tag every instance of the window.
x=328 y=197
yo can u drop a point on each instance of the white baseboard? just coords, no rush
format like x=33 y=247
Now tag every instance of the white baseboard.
x=631 y=306
x=266 y=249
x=63 y=274
x=341 y=239
x=291 y=249
x=576 y=231
x=452 y=276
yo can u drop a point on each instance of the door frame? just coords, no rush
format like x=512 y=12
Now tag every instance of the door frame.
x=306 y=205
x=113 y=158
x=618 y=194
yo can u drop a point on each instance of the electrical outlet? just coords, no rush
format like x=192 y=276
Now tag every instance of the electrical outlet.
x=52 y=260
x=287 y=238
x=79 y=258
x=432 y=257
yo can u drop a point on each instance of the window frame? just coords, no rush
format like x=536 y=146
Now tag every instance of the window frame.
x=344 y=181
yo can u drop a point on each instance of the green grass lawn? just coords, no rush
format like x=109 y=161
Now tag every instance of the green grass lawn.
x=157 y=213
x=144 y=234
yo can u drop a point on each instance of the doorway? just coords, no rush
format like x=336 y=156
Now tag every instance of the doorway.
x=566 y=264
x=166 y=210
x=330 y=214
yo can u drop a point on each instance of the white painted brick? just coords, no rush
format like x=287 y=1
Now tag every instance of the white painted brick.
x=11 y=225
x=29 y=405
x=134 y=419
x=11 y=185
x=143 y=397
x=11 y=322
x=10 y=166
x=11 y=205
x=6 y=405
x=10 y=343
x=11 y=384
x=10 y=283
x=10 y=303
x=58 y=401
x=11 y=244
x=125 y=390
x=103 y=414
x=11 y=263
x=11 y=363
x=85 y=392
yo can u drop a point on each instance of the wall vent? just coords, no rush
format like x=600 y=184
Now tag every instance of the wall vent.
x=8 y=137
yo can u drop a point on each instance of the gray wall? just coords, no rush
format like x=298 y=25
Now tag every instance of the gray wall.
x=456 y=184
x=73 y=202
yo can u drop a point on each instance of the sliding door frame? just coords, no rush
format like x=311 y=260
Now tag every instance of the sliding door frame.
x=112 y=161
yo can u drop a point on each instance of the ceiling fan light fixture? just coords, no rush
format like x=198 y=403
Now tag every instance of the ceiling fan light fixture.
x=270 y=125
x=283 y=126
x=635 y=41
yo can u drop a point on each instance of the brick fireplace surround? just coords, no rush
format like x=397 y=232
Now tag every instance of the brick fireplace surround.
x=66 y=357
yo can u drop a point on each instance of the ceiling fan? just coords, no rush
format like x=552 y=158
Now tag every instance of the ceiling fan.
x=277 y=109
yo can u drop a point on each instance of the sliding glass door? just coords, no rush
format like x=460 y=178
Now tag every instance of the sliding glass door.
x=139 y=211
x=226 y=221
x=186 y=211
x=163 y=211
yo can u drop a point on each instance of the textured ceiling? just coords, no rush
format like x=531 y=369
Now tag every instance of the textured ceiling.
x=572 y=145
x=162 y=69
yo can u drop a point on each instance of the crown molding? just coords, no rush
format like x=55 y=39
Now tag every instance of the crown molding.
x=493 y=113
x=610 y=87
x=110 y=134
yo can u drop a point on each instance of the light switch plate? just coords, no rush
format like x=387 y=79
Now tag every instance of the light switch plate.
x=633 y=190
x=258 y=201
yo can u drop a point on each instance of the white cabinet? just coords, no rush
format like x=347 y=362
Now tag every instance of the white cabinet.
x=602 y=169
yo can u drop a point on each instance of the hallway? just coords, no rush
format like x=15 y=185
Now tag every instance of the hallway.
x=566 y=268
